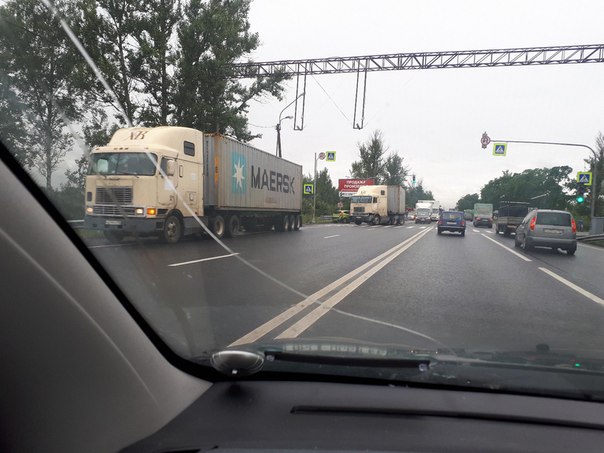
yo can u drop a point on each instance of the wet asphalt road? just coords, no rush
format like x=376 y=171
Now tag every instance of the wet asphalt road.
x=394 y=284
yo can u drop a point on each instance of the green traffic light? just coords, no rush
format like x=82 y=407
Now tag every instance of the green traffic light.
x=580 y=199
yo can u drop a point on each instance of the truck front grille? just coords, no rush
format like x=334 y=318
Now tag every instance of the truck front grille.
x=359 y=209
x=114 y=195
x=113 y=210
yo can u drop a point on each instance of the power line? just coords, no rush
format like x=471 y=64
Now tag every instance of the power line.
x=331 y=99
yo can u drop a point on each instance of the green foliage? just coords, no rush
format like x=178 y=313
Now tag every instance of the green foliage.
x=417 y=193
x=327 y=196
x=214 y=34
x=40 y=68
x=467 y=201
x=542 y=187
x=371 y=164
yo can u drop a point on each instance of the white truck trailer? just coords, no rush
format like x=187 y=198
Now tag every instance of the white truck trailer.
x=378 y=205
x=165 y=181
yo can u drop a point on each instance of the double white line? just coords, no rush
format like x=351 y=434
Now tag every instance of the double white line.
x=368 y=269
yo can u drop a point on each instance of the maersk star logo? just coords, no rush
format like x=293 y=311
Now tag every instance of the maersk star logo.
x=239 y=173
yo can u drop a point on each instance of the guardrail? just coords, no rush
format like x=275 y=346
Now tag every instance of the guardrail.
x=591 y=237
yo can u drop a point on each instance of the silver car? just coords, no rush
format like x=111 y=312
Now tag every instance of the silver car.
x=547 y=228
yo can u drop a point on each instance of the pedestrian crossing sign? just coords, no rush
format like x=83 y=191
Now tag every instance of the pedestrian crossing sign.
x=584 y=177
x=309 y=189
x=499 y=149
x=331 y=156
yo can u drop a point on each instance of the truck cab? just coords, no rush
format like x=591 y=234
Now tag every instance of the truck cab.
x=378 y=205
x=133 y=181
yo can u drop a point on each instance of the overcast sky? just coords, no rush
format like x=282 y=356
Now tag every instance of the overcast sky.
x=435 y=118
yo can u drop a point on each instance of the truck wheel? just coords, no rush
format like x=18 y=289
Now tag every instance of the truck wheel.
x=291 y=220
x=218 y=226
x=357 y=222
x=172 y=229
x=233 y=226
x=115 y=237
x=377 y=220
x=297 y=222
x=506 y=231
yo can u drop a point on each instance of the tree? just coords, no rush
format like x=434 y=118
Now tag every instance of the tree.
x=543 y=187
x=468 y=201
x=394 y=171
x=418 y=193
x=42 y=70
x=156 y=57
x=213 y=35
x=371 y=164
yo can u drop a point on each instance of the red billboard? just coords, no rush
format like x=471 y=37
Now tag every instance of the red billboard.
x=352 y=185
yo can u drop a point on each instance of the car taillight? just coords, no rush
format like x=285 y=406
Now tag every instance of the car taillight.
x=532 y=224
x=574 y=225
x=463 y=223
x=440 y=222
x=477 y=218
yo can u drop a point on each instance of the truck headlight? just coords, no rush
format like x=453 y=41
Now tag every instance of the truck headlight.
x=139 y=211
x=89 y=210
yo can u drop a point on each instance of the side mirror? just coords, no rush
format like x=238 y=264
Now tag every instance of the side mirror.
x=170 y=167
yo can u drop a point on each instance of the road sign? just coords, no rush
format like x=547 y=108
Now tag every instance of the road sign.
x=309 y=189
x=340 y=205
x=331 y=156
x=499 y=149
x=485 y=140
x=584 y=177
x=321 y=156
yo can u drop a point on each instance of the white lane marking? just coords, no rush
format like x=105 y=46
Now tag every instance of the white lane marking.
x=571 y=285
x=107 y=245
x=507 y=248
x=202 y=260
x=475 y=231
x=489 y=231
x=272 y=324
x=397 y=227
x=308 y=320
x=410 y=227
x=589 y=246
x=422 y=227
x=375 y=226
x=332 y=236
x=388 y=226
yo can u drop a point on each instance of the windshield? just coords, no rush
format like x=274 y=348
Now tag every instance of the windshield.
x=244 y=237
x=360 y=199
x=122 y=164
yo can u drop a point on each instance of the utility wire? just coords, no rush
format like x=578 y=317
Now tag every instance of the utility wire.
x=330 y=98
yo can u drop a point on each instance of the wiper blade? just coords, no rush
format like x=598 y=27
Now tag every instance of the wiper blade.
x=321 y=359
x=233 y=362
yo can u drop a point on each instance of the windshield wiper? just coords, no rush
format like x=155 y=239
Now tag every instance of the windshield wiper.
x=244 y=363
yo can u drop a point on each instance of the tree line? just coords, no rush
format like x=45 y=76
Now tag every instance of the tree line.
x=157 y=62
x=551 y=188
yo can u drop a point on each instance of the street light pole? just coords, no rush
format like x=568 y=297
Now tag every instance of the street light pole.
x=314 y=198
x=278 y=127
x=594 y=181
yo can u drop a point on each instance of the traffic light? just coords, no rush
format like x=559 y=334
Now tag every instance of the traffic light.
x=413 y=180
x=582 y=197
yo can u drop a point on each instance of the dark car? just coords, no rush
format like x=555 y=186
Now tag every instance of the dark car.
x=547 y=228
x=452 y=221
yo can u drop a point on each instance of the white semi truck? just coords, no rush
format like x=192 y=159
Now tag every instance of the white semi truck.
x=423 y=211
x=164 y=181
x=378 y=205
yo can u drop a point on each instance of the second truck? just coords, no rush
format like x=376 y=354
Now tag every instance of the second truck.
x=378 y=205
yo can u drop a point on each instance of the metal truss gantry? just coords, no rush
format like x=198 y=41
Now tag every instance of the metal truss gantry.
x=361 y=65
